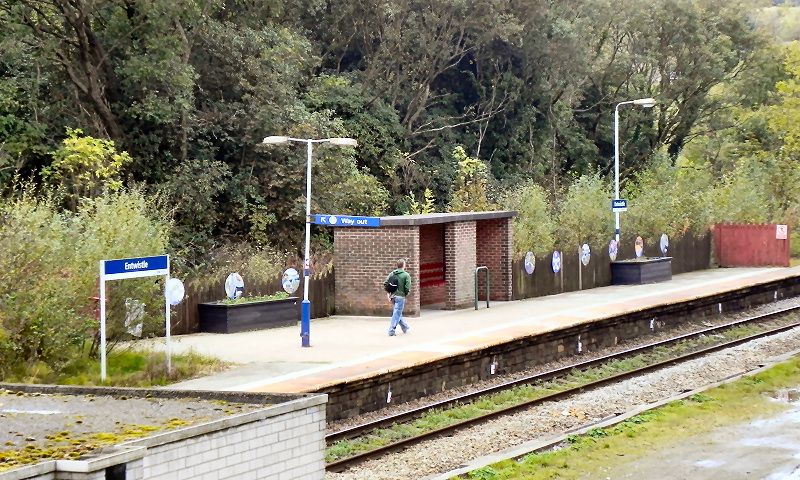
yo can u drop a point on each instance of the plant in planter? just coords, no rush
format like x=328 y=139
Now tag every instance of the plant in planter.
x=249 y=313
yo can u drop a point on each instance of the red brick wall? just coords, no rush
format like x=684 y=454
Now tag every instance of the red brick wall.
x=460 y=258
x=431 y=250
x=363 y=257
x=493 y=242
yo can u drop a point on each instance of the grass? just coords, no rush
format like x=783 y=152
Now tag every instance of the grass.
x=589 y=455
x=129 y=368
x=254 y=299
x=440 y=418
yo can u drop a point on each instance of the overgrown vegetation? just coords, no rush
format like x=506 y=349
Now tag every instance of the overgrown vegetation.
x=456 y=105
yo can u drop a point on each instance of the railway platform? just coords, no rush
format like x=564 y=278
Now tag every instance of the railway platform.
x=354 y=349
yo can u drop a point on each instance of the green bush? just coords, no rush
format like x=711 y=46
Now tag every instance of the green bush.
x=742 y=196
x=585 y=214
x=49 y=267
x=667 y=198
x=471 y=185
x=257 y=265
x=534 y=227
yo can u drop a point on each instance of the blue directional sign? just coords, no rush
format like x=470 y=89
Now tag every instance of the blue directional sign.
x=346 y=221
x=135 y=267
x=619 y=205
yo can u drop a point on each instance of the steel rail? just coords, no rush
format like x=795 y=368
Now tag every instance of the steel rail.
x=345 y=463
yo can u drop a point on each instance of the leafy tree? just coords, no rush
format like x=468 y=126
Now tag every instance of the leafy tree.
x=85 y=166
x=426 y=206
x=472 y=183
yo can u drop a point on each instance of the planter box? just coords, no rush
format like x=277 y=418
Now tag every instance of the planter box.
x=639 y=271
x=220 y=318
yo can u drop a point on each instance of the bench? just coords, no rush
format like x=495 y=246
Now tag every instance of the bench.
x=431 y=274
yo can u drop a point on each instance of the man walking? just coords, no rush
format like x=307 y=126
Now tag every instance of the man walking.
x=398 y=285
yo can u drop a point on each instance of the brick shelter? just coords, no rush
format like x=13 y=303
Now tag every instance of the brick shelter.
x=442 y=251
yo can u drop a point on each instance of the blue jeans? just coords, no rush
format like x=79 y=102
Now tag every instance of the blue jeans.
x=397 y=315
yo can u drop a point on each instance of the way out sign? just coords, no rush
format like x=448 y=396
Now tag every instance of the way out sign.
x=125 y=268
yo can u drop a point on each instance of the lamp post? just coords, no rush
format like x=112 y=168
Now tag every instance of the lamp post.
x=305 y=316
x=642 y=102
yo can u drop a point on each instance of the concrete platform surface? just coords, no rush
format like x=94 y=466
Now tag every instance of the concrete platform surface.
x=349 y=348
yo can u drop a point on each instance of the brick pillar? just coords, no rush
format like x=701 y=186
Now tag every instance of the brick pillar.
x=363 y=257
x=460 y=257
x=493 y=238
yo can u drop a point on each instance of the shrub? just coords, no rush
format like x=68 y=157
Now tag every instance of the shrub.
x=257 y=265
x=534 y=227
x=667 y=198
x=585 y=214
x=50 y=263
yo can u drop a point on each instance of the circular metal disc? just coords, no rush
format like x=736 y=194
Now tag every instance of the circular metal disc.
x=530 y=263
x=174 y=291
x=639 y=247
x=556 y=263
x=290 y=280
x=234 y=285
x=586 y=254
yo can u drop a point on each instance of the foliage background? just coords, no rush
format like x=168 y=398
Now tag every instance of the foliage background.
x=457 y=105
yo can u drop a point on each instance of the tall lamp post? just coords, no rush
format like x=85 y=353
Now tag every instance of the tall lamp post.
x=305 y=317
x=642 y=102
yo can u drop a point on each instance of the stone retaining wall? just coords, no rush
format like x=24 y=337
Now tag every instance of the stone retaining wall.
x=360 y=396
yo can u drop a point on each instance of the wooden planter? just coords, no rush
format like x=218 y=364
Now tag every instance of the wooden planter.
x=217 y=317
x=641 y=270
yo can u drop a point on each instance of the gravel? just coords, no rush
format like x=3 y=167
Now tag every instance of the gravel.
x=444 y=454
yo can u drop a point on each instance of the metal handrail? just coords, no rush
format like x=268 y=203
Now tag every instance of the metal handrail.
x=488 y=284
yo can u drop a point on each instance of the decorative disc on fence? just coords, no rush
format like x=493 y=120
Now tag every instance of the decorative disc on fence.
x=612 y=250
x=234 y=286
x=639 y=247
x=173 y=291
x=586 y=254
x=530 y=263
x=664 y=243
x=290 y=280
x=556 y=261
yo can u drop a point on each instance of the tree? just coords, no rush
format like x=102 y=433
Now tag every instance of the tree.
x=85 y=166
x=471 y=185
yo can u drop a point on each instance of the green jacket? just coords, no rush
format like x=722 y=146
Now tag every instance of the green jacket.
x=405 y=282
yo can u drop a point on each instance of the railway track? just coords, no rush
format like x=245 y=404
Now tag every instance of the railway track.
x=360 y=430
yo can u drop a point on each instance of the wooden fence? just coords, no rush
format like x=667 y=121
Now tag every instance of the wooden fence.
x=688 y=253
x=321 y=293
x=740 y=245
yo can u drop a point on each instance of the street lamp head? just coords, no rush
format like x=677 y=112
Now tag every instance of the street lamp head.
x=645 y=102
x=275 y=139
x=348 y=142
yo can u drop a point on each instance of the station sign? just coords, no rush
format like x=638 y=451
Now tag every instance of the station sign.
x=135 y=267
x=619 y=205
x=345 y=221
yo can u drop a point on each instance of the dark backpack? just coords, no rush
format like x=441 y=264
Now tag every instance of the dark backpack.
x=391 y=283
